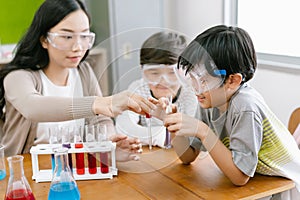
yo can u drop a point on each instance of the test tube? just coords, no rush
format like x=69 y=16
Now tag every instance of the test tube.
x=92 y=163
x=102 y=137
x=167 y=143
x=148 y=118
x=90 y=137
x=104 y=162
x=66 y=143
x=80 y=169
x=53 y=139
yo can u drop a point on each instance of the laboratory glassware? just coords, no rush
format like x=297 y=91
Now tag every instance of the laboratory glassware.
x=90 y=139
x=148 y=121
x=2 y=163
x=18 y=187
x=80 y=168
x=167 y=143
x=63 y=185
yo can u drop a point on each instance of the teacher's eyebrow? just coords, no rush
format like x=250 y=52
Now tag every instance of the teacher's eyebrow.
x=71 y=31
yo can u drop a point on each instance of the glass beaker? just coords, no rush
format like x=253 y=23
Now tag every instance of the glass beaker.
x=2 y=163
x=63 y=185
x=18 y=187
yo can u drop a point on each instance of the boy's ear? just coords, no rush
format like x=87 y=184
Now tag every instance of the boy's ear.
x=235 y=80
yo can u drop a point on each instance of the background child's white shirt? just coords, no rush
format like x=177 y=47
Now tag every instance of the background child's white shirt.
x=72 y=89
x=128 y=123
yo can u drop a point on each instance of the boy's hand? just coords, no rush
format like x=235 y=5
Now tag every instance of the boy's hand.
x=161 y=105
x=184 y=125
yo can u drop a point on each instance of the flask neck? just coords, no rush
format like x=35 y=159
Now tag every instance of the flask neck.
x=61 y=160
x=15 y=164
x=62 y=171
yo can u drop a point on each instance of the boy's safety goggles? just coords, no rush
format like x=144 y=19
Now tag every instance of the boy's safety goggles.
x=199 y=79
x=69 y=41
x=159 y=73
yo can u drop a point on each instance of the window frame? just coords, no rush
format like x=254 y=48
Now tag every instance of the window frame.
x=265 y=59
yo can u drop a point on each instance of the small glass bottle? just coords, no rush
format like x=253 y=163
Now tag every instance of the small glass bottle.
x=18 y=187
x=63 y=185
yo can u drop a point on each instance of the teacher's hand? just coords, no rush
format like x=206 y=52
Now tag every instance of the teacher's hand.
x=114 y=105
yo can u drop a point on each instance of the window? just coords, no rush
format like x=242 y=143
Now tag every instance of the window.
x=272 y=25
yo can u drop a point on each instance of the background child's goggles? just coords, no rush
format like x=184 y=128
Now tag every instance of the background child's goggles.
x=155 y=74
x=200 y=80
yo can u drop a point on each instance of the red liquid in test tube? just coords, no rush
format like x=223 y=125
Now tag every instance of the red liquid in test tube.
x=79 y=160
x=92 y=163
x=104 y=162
x=102 y=137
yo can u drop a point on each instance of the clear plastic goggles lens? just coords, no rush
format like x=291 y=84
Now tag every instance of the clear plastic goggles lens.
x=67 y=41
x=200 y=80
x=155 y=74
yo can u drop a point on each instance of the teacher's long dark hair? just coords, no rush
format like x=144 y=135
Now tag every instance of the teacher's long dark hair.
x=29 y=52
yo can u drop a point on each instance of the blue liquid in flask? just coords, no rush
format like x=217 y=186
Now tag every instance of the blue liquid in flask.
x=65 y=191
x=2 y=174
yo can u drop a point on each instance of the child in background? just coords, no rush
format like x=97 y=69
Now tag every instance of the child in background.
x=48 y=83
x=158 y=57
x=234 y=125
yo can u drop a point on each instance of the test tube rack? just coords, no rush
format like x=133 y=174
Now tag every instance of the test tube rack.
x=45 y=175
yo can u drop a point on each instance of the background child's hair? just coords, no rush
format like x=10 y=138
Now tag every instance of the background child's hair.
x=162 y=48
x=231 y=48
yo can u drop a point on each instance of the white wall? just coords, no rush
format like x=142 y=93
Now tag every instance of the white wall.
x=191 y=17
x=278 y=86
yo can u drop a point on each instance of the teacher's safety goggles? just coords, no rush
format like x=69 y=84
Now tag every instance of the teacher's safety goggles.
x=68 y=41
x=200 y=79
x=159 y=73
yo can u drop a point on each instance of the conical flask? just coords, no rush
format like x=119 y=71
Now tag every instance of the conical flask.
x=63 y=185
x=18 y=187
